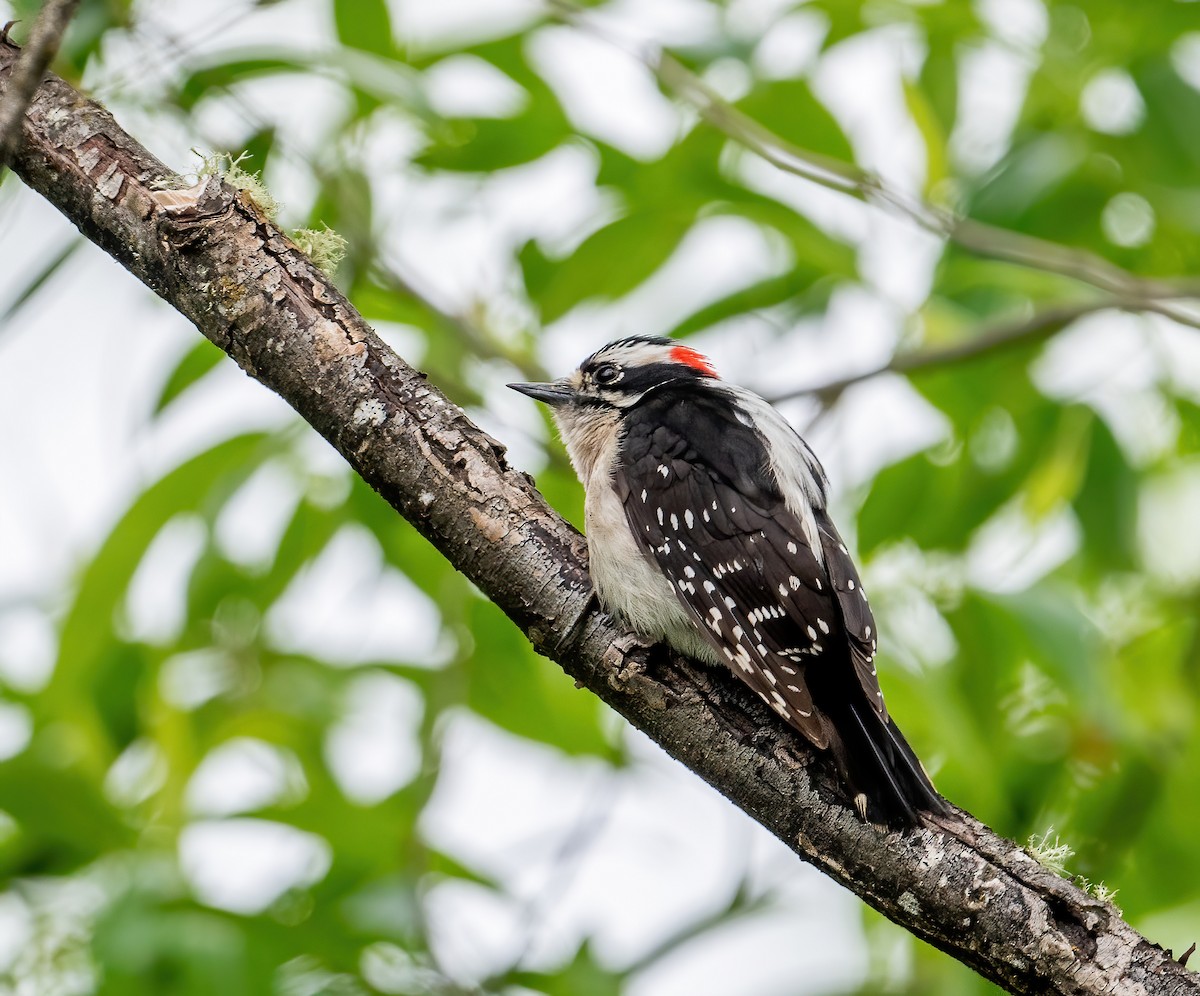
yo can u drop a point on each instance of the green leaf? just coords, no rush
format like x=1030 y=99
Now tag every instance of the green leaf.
x=1058 y=474
x=40 y=279
x=938 y=84
x=789 y=109
x=921 y=110
x=939 y=498
x=1000 y=378
x=1169 y=103
x=1026 y=764
x=1107 y=504
x=757 y=297
x=221 y=76
x=927 y=502
x=583 y=976
x=1060 y=637
x=90 y=657
x=365 y=24
x=63 y=819
x=611 y=261
x=196 y=362
x=141 y=944
x=526 y=694
x=817 y=254
x=483 y=145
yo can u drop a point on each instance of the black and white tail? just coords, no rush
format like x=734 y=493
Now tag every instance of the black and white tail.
x=889 y=784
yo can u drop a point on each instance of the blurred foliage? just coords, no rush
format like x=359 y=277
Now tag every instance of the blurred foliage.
x=1063 y=695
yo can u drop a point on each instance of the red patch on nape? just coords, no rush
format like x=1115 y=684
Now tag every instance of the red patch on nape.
x=697 y=361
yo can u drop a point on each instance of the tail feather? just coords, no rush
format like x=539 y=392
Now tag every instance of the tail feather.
x=881 y=767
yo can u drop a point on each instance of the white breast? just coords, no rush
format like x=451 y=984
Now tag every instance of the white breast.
x=627 y=581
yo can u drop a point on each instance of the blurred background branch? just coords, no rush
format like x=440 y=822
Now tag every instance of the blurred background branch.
x=999 y=336
x=38 y=53
x=977 y=237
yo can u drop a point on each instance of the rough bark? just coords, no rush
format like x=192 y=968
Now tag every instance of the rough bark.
x=212 y=255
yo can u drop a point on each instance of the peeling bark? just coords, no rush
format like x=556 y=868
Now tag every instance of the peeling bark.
x=211 y=254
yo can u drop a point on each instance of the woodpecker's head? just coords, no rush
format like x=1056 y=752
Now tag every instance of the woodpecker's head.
x=589 y=403
x=622 y=373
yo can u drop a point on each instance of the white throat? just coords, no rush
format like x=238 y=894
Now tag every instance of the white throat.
x=590 y=437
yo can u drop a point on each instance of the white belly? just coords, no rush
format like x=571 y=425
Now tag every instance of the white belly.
x=629 y=584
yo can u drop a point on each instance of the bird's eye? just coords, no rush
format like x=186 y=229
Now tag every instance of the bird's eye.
x=606 y=373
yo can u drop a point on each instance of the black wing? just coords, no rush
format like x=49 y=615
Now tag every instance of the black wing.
x=699 y=494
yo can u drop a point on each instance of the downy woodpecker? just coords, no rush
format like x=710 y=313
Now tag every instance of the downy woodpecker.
x=707 y=528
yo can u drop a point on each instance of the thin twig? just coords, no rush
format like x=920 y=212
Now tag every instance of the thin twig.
x=27 y=74
x=975 y=236
x=1002 y=335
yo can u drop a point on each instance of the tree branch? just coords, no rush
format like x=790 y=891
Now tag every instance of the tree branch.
x=1129 y=289
x=1130 y=292
x=210 y=253
x=35 y=59
x=1040 y=325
